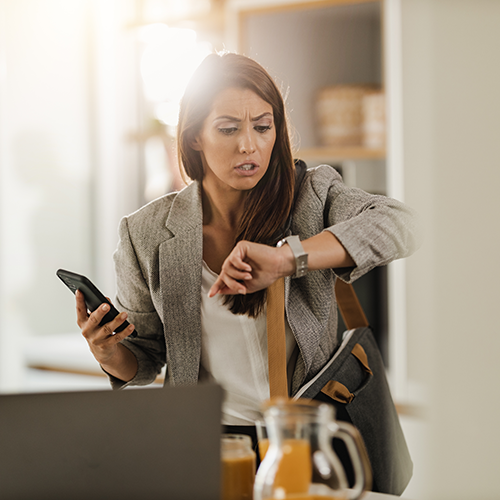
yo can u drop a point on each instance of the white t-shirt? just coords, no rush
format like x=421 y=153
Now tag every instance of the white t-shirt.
x=234 y=353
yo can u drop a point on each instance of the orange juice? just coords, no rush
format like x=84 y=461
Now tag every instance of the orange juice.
x=263 y=447
x=238 y=474
x=294 y=470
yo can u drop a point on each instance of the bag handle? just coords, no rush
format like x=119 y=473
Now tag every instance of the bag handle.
x=338 y=391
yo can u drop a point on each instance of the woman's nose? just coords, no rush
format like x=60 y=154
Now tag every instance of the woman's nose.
x=247 y=145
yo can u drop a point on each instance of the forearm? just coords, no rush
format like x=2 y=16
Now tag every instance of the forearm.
x=326 y=252
x=122 y=365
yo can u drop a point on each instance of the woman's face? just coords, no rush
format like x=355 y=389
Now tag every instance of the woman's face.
x=236 y=141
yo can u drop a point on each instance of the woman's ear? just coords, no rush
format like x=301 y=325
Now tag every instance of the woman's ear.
x=195 y=143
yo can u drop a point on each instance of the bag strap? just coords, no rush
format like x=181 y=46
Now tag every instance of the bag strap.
x=276 y=342
x=350 y=309
x=349 y=306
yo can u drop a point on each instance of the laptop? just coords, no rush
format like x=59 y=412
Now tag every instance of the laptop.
x=140 y=444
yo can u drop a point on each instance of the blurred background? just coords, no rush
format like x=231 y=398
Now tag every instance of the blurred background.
x=400 y=95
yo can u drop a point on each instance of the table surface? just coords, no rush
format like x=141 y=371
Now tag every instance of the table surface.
x=380 y=496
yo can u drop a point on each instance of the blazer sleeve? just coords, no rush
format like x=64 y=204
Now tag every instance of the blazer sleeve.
x=374 y=229
x=134 y=297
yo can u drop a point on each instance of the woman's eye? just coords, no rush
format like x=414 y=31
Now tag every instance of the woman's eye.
x=262 y=128
x=227 y=130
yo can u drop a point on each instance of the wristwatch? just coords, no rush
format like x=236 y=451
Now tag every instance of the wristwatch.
x=298 y=253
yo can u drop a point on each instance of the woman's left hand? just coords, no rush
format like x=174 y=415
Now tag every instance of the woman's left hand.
x=251 y=267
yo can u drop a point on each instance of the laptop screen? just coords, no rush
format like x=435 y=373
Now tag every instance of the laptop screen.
x=133 y=444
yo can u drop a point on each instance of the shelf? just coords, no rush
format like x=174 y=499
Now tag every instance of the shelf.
x=347 y=153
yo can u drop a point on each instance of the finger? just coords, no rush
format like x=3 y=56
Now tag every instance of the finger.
x=102 y=336
x=217 y=288
x=226 y=285
x=81 y=308
x=111 y=326
x=235 y=273
x=240 y=265
x=96 y=317
x=118 y=337
x=117 y=321
x=236 y=258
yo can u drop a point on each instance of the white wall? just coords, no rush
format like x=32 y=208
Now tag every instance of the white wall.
x=451 y=85
x=45 y=165
x=68 y=172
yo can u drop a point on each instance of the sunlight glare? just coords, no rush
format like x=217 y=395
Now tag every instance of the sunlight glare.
x=169 y=59
x=168 y=112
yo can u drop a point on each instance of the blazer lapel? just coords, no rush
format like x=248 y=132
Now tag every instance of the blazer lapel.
x=180 y=260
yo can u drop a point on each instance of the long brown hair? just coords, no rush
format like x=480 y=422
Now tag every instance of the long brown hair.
x=268 y=204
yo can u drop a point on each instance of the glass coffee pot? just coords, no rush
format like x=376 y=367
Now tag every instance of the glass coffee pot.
x=298 y=461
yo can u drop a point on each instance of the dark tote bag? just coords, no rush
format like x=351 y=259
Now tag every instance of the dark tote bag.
x=355 y=382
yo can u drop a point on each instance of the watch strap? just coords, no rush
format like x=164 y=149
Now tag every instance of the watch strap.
x=299 y=254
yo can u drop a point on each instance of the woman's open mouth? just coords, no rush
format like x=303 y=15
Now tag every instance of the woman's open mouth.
x=247 y=168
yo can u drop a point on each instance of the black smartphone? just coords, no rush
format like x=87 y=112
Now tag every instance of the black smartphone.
x=93 y=297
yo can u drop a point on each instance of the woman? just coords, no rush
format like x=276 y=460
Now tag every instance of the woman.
x=193 y=267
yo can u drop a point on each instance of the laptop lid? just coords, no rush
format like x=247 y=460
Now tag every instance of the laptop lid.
x=154 y=443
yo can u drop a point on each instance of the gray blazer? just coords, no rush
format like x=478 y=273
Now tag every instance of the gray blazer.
x=159 y=265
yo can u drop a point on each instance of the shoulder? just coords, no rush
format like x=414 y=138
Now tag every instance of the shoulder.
x=167 y=208
x=318 y=182
x=155 y=213
x=162 y=218
x=314 y=196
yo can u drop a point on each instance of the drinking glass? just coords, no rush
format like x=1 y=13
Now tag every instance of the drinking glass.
x=238 y=467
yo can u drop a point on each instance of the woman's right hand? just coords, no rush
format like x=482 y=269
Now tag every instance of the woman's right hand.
x=103 y=343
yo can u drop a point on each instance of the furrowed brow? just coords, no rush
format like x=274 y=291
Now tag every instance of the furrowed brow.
x=263 y=115
x=238 y=120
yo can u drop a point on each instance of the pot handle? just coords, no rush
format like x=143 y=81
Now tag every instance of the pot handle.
x=358 y=455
